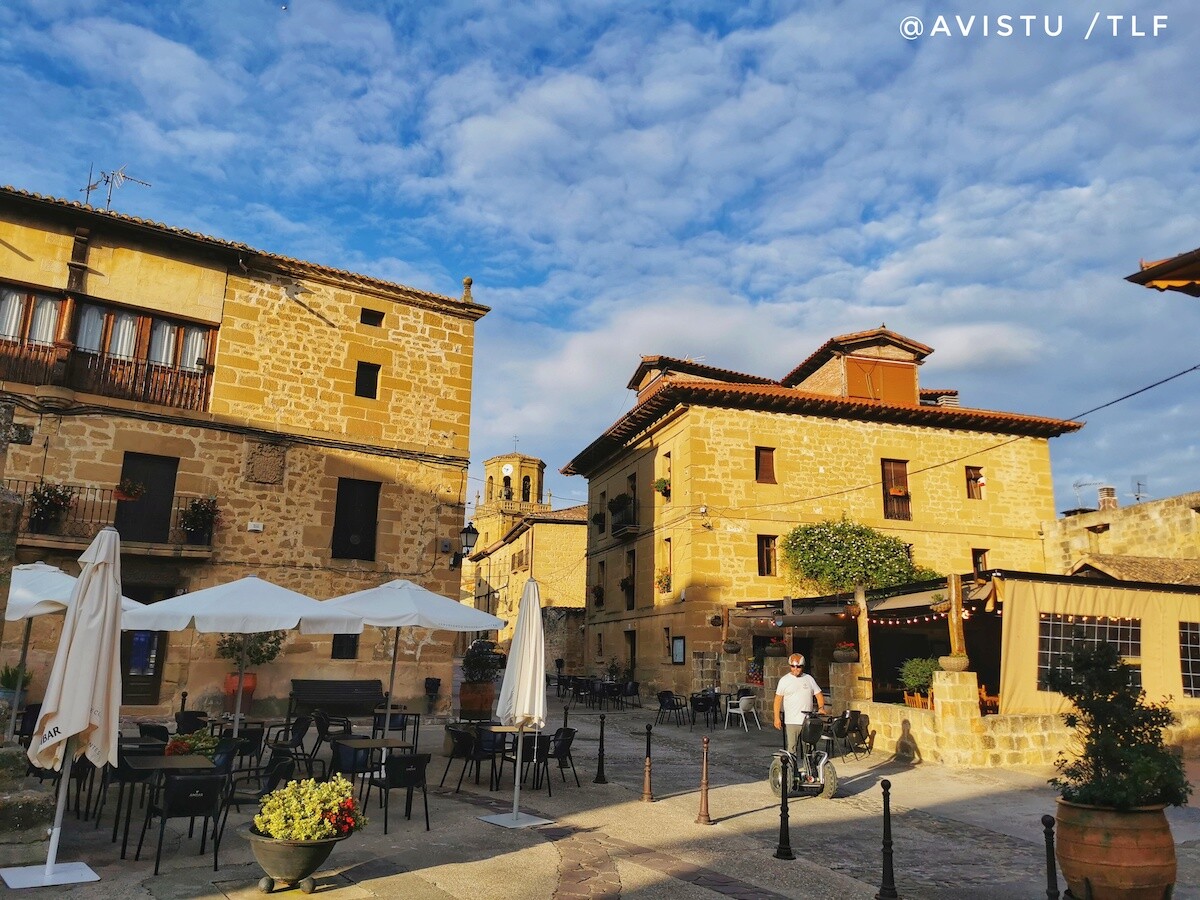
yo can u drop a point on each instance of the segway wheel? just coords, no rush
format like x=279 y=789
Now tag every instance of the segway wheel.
x=829 y=788
x=775 y=776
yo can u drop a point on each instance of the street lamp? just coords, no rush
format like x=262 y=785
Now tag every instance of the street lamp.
x=468 y=536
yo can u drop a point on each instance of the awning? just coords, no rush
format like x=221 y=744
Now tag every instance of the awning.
x=921 y=599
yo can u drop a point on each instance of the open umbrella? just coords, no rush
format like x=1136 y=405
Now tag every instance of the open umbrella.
x=401 y=603
x=522 y=701
x=82 y=705
x=38 y=589
x=247 y=606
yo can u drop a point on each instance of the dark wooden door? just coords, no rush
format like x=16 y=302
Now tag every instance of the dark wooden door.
x=149 y=517
x=143 y=653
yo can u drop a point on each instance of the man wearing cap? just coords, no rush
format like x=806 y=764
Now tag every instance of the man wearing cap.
x=797 y=695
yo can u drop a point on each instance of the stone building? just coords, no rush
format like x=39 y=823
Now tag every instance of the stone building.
x=521 y=537
x=324 y=414
x=692 y=489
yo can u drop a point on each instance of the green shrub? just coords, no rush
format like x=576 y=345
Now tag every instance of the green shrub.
x=916 y=674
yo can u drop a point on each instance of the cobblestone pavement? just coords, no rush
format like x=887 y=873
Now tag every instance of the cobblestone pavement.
x=972 y=834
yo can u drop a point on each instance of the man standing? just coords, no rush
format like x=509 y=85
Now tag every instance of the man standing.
x=797 y=694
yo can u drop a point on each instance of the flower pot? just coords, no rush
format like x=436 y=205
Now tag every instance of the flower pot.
x=475 y=699
x=1108 y=854
x=291 y=862
x=845 y=656
x=126 y=497
x=249 y=683
x=953 y=663
x=775 y=650
x=198 y=537
x=731 y=647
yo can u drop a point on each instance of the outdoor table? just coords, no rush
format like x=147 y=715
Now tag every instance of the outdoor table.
x=159 y=764
x=216 y=726
x=366 y=743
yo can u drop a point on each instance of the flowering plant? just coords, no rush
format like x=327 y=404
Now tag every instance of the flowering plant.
x=197 y=742
x=47 y=502
x=130 y=489
x=775 y=640
x=845 y=645
x=200 y=515
x=309 y=810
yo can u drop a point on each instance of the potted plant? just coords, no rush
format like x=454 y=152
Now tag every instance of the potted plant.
x=598 y=594
x=662 y=581
x=47 y=504
x=731 y=646
x=129 y=490
x=955 y=662
x=297 y=827
x=845 y=652
x=261 y=648
x=199 y=518
x=481 y=666
x=775 y=647
x=1113 y=836
x=9 y=684
x=626 y=583
x=916 y=673
x=663 y=486
x=620 y=504
x=598 y=520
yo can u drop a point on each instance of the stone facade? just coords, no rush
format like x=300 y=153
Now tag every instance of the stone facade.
x=706 y=533
x=282 y=424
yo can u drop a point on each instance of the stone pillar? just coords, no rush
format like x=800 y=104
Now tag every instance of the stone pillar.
x=706 y=669
x=956 y=716
x=958 y=640
x=774 y=668
x=846 y=687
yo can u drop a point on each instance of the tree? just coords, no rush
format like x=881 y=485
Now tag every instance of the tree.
x=840 y=556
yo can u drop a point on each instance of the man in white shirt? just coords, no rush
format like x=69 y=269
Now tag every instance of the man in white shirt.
x=797 y=695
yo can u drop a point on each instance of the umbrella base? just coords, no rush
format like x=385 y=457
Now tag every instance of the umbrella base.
x=520 y=820
x=35 y=876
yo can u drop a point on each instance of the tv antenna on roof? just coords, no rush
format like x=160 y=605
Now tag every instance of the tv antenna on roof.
x=1141 y=488
x=1082 y=484
x=113 y=179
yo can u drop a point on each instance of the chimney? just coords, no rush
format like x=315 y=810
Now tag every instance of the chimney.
x=948 y=399
x=1108 y=497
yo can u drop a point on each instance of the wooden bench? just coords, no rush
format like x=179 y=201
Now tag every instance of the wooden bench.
x=336 y=696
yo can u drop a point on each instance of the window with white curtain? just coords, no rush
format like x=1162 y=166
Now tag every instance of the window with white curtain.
x=44 y=323
x=162 y=342
x=12 y=304
x=91 y=329
x=123 y=340
x=195 y=348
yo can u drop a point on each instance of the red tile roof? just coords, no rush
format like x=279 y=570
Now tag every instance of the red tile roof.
x=847 y=343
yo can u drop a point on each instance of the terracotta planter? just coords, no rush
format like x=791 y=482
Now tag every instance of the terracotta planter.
x=475 y=699
x=249 y=683
x=290 y=862
x=1110 y=855
x=954 y=663
x=845 y=656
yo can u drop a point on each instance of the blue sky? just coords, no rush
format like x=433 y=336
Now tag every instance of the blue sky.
x=737 y=183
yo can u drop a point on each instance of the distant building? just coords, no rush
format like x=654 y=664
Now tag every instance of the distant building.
x=326 y=415
x=691 y=491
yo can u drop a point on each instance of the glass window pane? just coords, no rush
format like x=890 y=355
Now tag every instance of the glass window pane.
x=11 y=306
x=123 y=340
x=45 y=320
x=195 y=348
x=162 y=343
x=91 y=328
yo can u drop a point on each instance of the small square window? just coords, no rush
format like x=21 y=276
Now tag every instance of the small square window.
x=345 y=646
x=975 y=483
x=766 y=554
x=366 y=381
x=371 y=317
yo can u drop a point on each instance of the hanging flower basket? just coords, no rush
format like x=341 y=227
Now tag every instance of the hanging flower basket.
x=129 y=490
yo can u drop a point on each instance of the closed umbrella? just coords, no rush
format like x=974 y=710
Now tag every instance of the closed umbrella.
x=401 y=603
x=82 y=705
x=247 y=606
x=522 y=701
x=37 y=589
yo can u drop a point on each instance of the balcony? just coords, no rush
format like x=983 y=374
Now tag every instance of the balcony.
x=624 y=526
x=33 y=363
x=149 y=525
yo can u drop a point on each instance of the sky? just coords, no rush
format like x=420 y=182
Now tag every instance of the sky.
x=734 y=183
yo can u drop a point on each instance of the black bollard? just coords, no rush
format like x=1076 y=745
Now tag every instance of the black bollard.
x=600 y=779
x=784 y=850
x=703 y=817
x=647 y=791
x=887 y=888
x=566 y=714
x=183 y=701
x=1051 y=869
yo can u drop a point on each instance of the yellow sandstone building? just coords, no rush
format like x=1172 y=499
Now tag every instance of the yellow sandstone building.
x=691 y=491
x=159 y=372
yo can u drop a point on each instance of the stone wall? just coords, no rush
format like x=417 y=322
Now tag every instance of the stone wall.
x=1167 y=528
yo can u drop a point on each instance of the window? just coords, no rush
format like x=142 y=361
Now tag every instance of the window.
x=896 y=502
x=979 y=563
x=766 y=554
x=28 y=316
x=600 y=516
x=630 y=574
x=373 y=317
x=366 y=381
x=125 y=335
x=631 y=490
x=601 y=581
x=764 y=465
x=1057 y=632
x=354 y=519
x=1189 y=657
x=599 y=644
x=526 y=485
x=974 y=483
x=345 y=646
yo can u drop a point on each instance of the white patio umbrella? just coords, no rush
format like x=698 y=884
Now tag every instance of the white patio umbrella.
x=401 y=603
x=522 y=702
x=38 y=589
x=247 y=606
x=82 y=705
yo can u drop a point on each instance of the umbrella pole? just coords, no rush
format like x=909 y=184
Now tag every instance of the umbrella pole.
x=12 y=713
x=387 y=715
x=517 y=773
x=237 y=703
x=64 y=786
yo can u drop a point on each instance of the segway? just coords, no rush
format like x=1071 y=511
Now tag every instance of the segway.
x=810 y=772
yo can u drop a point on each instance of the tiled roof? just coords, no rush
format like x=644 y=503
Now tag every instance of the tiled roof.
x=1177 y=273
x=241 y=251
x=846 y=343
x=1153 y=569
x=689 y=367
x=668 y=395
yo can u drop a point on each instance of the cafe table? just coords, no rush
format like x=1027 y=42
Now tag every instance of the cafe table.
x=175 y=763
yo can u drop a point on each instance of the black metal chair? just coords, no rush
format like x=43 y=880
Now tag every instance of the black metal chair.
x=250 y=788
x=557 y=748
x=124 y=775
x=153 y=730
x=29 y=719
x=507 y=752
x=184 y=797
x=328 y=729
x=704 y=703
x=250 y=742
x=631 y=694
x=473 y=747
x=403 y=770
x=293 y=746
x=860 y=732
x=398 y=726
x=189 y=721
x=670 y=704
x=352 y=762
x=835 y=736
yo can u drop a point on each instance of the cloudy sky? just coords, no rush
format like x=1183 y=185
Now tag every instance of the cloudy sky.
x=732 y=182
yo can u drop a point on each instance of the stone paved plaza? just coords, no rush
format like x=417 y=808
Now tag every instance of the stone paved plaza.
x=957 y=833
